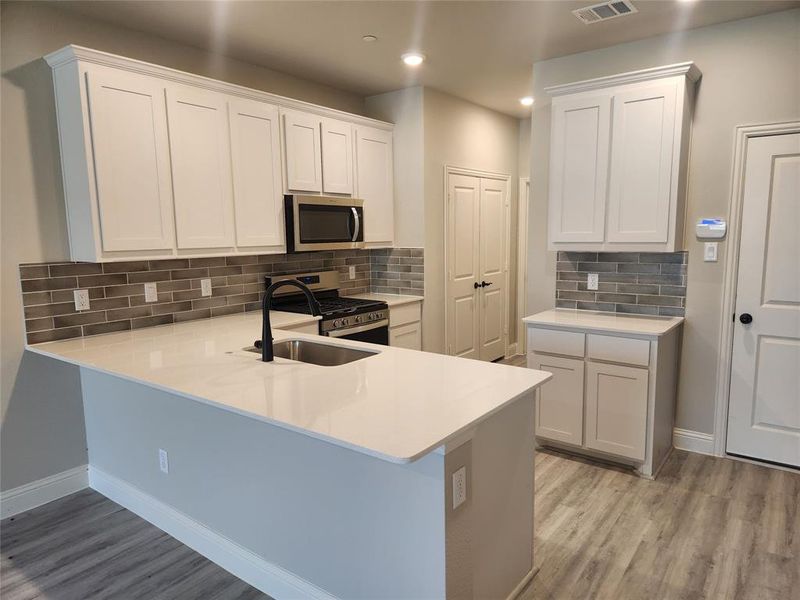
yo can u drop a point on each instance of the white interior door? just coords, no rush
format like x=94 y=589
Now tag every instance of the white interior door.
x=131 y=160
x=201 y=168
x=463 y=265
x=764 y=409
x=491 y=235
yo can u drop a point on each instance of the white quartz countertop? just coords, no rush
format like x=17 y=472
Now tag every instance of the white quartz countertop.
x=397 y=405
x=390 y=299
x=603 y=321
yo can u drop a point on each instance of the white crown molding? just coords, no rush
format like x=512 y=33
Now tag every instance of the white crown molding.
x=73 y=53
x=241 y=562
x=42 y=491
x=687 y=69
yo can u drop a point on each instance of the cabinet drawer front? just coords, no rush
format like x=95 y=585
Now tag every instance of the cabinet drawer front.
x=618 y=349
x=616 y=409
x=406 y=313
x=551 y=341
x=559 y=402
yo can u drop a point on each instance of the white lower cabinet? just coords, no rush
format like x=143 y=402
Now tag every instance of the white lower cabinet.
x=405 y=326
x=616 y=409
x=611 y=396
x=559 y=406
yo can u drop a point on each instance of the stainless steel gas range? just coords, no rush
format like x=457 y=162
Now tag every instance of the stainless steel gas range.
x=342 y=317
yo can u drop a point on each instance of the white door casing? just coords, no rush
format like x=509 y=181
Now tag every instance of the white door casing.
x=579 y=168
x=256 y=160
x=375 y=183
x=131 y=160
x=463 y=265
x=522 y=262
x=491 y=235
x=201 y=168
x=764 y=405
x=640 y=175
x=303 y=152
x=337 y=157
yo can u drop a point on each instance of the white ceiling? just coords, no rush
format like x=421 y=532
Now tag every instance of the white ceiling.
x=481 y=51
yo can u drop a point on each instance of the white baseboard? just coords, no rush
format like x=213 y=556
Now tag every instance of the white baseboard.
x=693 y=441
x=42 y=491
x=244 y=564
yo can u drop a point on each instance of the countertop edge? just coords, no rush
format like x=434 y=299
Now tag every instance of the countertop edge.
x=670 y=323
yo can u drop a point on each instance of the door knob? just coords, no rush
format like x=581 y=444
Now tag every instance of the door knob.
x=484 y=284
x=476 y=285
x=745 y=318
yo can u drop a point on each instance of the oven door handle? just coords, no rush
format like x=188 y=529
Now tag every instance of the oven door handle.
x=357 y=220
x=359 y=329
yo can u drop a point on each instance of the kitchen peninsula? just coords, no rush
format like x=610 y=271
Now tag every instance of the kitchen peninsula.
x=312 y=481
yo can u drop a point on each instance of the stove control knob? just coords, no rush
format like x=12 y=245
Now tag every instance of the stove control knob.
x=345 y=322
x=357 y=318
x=337 y=323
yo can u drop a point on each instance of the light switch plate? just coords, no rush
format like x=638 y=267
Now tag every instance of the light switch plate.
x=150 y=292
x=205 y=287
x=81 y=299
x=163 y=461
x=710 y=251
x=592 y=281
x=459 y=487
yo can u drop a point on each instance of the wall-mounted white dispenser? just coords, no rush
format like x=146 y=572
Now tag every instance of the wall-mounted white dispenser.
x=711 y=229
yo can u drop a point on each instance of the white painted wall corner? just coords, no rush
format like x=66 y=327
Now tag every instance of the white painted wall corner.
x=42 y=491
x=693 y=441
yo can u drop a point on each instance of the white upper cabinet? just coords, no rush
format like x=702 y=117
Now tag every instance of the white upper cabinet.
x=337 y=157
x=256 y=160
x=579 y=168
x=641 y=164
x=201 y=168
x=303 y=152
x=618 y=159
x=131 y=151
x=374 y=183
x=157 y=163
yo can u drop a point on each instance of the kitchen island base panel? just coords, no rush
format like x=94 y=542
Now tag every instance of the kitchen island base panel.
x=341 y=523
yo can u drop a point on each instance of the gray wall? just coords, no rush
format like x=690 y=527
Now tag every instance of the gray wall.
x=42 y=421
x=751 y=74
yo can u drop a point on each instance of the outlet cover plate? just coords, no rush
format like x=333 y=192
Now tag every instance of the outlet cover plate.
x=459 y=487
x=592 y=281
x=163 y=461
x=150 y=292
x=81 y=298
x=205 y=287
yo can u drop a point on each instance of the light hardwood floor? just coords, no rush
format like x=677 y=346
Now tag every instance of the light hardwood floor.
x=706 y=528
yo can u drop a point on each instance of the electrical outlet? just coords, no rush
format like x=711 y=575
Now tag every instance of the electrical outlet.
x=205 y=287
x=591 y=281
x=81 y=298
x=150 y=292
x=163 y=461
x=352 y=271
x=710 y=252
x=459 y=487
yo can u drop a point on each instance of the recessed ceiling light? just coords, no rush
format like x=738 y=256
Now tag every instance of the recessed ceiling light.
x=413 y=59
x=370 y=38
x=526 y=101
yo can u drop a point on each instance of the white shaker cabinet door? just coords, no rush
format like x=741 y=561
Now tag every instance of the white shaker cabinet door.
x=131 y=161
x=337 y=157
x=616 y=409
x=642 y=162
x=579 y=168
x=406 y=336
x=256 y=160
x=303 y=152
x=559 y=402
x=375 y=185
x=201 y=168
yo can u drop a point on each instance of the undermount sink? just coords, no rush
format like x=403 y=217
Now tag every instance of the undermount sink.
x=324 y=355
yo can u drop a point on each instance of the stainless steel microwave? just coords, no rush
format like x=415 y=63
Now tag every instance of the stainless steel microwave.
x=323 y=223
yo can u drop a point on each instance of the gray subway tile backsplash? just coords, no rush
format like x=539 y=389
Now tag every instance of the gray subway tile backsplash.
x=116 y=290
x=647 y=283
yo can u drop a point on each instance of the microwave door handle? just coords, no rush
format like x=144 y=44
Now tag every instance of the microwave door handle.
x=358 y=223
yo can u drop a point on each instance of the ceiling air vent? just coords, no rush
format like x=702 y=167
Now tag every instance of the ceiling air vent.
x=604 y=11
